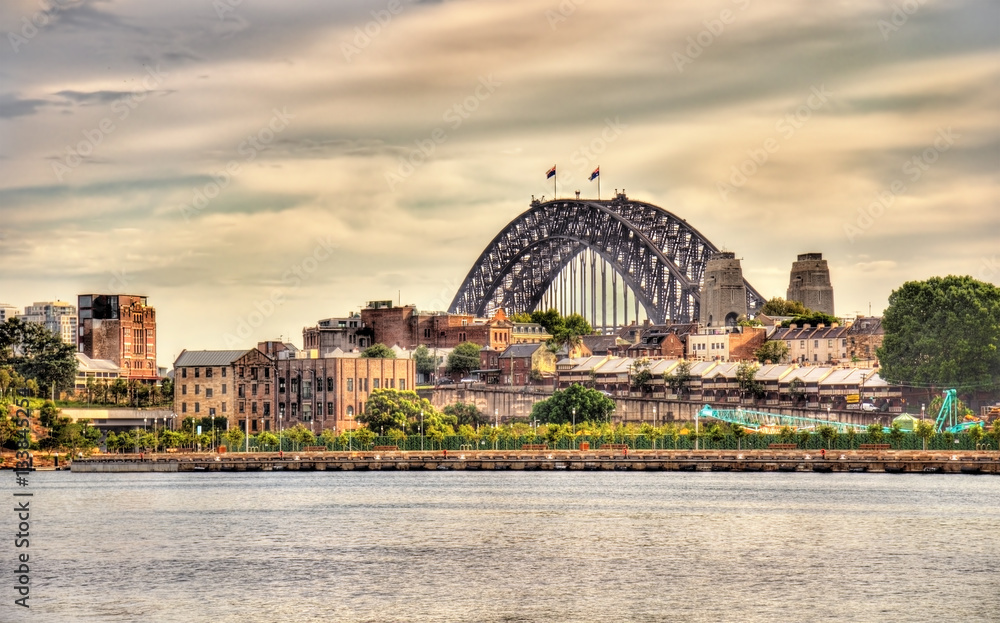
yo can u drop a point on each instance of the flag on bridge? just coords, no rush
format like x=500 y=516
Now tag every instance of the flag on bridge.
x=551 y=172
x=596 y=173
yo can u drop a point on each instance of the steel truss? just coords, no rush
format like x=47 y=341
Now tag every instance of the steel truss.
x=659 y=257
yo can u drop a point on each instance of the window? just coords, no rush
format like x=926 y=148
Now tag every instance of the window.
x=208 y=392
x=223 y=387
x=375 y=383
x=306 y=412
x=366 y=384
x=267 y=409
x=295 y=386
x=329 y=408
x=281 y=386
x=211 y=411
x=402 y=385
x=307 y=388
x=242 y=407
x=267 y=389
x=197 y=372
x=253 y=389
x=319 y=409
x=253 y=408
x=241 y=391
x=208 y=373
x=329 y=383
x=281 y=409
x=267 y=373
x=815 y=343
x=350 y=411
x=184 y=373
x=427 y=333
x=223 y=373
x=184 y=407
x=242 y=371
x=197 y=407
x=295 y=409
x=390 y=383
x=350 y=385
x=197 y=389
x=184 y=390
x=223 y=407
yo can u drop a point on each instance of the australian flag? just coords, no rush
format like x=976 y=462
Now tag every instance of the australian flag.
x=551 y=172
x=595 y=174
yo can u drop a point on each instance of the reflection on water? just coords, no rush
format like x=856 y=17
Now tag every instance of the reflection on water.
x=511 y=547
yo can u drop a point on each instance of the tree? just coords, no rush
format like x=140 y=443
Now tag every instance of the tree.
x=300 y=435
x=943 y=332
x=772 y=351
x=425 y=362
x=778 y=306
x=37 y=354
x=745 y=377
x=739 y=432
x=829 y=435
x=680 y=381
x=378 y=351
x=813 y=318
x=466 y=414
x=641 y=378
x=565 y=330
x=896 y=434
x=464 y=358
x=590 y=404
x=234 y=438
x=976 y=434
x=388 y=409
x=875 y=433
x=924 y=430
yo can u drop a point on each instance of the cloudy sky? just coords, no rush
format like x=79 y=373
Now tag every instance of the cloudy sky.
x=239 y=160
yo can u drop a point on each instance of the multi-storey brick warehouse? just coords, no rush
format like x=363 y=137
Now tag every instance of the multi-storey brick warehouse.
x=255 y=377
x=329 y=392
x=408 y=328
x=203 y=383
x=120 y=328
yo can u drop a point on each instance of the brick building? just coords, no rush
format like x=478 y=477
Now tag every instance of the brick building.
x=329 y=392
x=204 y=383
x=120 y=328
x=864 y=337
x=725 y=343
x=407 y=328
x=254 y=374
x=329 y=334
x=518 y=361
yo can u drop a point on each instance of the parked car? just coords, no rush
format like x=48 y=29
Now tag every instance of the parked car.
x=867 y=406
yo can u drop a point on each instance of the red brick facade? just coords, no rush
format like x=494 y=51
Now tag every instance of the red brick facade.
x=120 y=328
x=407 y=328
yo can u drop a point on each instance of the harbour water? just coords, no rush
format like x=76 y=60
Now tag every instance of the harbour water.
x=444 y=546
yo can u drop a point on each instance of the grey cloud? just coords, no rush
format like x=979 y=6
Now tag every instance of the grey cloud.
x=11 y=106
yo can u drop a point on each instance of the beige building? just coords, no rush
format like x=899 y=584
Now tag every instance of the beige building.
x=204 y=384
x=820 y=344
x=57 y=316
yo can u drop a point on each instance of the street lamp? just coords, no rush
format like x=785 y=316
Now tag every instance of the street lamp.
x=574 y=428
x=279 y=432
x=143 y=427
x=421 y=430
x=696 y=429
x=654 y=426
x=246 y=438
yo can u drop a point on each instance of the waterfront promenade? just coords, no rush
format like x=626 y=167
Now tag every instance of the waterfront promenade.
x=781 y=460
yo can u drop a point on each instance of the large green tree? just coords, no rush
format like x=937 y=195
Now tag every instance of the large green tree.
x=778 y=306
x=772 y=351
x=36 y=353
x=565 y=330
x=464 y=358
x=389 y=409
x=466 y=414
x=378 y=351
x=590 y=404
x=813 y=318
x=943 y=332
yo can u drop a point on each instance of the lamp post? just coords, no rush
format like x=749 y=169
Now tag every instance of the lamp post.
x=696 y=430
x=260 y=433
x=496 y=425
x=279 y=432
x=421 y=430
x=574 y=428
x=156 y=437
x=246 y=438
x=654 y=426
x=143 y=427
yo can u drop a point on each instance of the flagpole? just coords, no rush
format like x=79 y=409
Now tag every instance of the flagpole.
x=598 y=186
x=554 y=179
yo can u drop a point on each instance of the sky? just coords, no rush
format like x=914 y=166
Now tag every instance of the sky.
x=253 y=167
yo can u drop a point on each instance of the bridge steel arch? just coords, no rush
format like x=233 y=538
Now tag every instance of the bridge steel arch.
x=658 y=255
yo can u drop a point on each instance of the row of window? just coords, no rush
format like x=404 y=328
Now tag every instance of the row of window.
x=197 y=390
x=362 y=385
x=197 y=408
x=197 y=373
x=829 y=343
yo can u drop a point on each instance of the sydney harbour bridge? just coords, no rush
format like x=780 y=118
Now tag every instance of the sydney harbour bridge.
x=593 y=258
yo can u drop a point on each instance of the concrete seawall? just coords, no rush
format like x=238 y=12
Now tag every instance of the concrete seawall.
x=642 y=460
